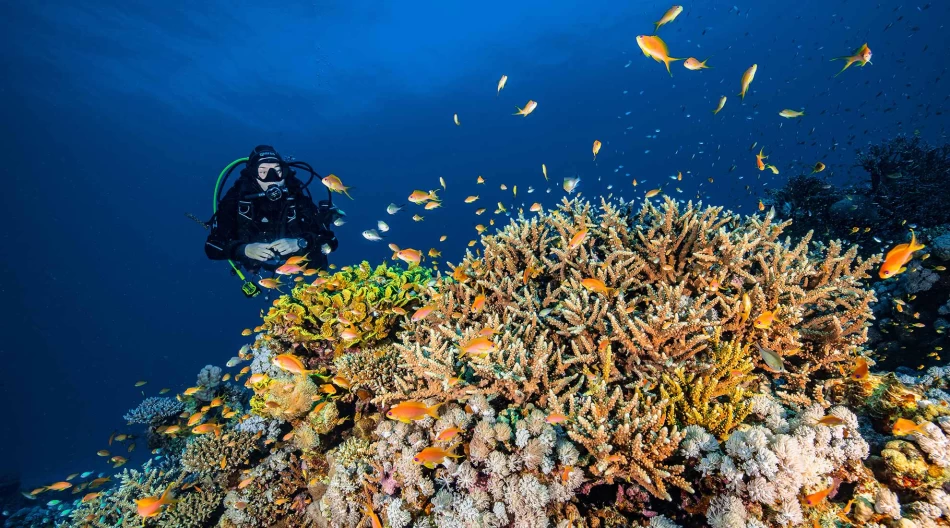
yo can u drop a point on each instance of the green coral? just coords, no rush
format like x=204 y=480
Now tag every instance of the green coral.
x=359 y=299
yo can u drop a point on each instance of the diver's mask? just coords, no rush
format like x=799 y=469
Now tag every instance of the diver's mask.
x=274 y=174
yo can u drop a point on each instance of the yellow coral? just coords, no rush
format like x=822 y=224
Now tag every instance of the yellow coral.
x=358 y=305
x=713 y=397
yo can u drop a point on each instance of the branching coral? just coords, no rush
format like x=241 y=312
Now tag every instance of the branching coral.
x=154 y=410
x=211 y=455
x=715 y=398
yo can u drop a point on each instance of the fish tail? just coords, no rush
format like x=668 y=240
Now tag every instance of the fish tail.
x=846 y=65
x=914 y=245
x=434 y=411
x=656 y=27
x=519 y=111
x=668 y=61
x=345 y=189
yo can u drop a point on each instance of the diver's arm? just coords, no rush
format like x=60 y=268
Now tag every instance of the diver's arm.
x=223 y=242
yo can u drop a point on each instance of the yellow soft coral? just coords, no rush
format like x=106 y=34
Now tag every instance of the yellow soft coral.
x=358 y=305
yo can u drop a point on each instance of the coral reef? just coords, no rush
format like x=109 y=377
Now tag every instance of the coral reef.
x=595 y=365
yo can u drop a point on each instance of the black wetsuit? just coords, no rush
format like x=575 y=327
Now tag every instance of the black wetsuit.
x=244 y=219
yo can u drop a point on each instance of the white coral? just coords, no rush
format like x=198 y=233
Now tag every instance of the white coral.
x=886 y=503
x=726 y=511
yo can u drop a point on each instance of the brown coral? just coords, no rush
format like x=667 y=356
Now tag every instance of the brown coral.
x=209 y=454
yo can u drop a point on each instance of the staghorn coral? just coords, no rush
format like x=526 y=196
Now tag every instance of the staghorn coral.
x=674 y=276
x=357 y=298
x=211 y=455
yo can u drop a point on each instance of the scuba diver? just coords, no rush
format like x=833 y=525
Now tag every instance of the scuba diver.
x=269 y=216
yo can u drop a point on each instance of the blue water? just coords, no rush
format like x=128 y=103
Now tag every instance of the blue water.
x=118 y=116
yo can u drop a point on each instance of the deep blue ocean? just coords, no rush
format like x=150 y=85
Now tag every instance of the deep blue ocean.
x=118 y=116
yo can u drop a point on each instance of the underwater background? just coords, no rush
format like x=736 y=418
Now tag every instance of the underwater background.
x=118 y=117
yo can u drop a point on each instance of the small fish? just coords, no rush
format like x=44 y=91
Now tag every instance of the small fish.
x=722 y=103
x=448 y=434
x=271 y=284
x=831 y=420
x=333 y=183
x=501 y=84
x=654 y=47
x=528 y=108
x=59 y=486
x=694 y=64
x=372 y=235
x=206 y=428
x=393 y=208
x=383 y=226
x=152 y=506
x=479 y=346
x=578 y=238
x=245 y=483
x=758 y=159
x=861 y=57
x=860 y=371
x=544 y=171
x=747 y=78
x=652 y=192
x=596 y=148
x=764 y=321
x=455 y=118
x=422 y=313
x=772 y=359
x=140 y=383
x=555 y=418
x=470 y=199
x=668 y=17
x=433 y=456
x=570 y=184
x=790 y=113
x=418 y=197
x=339 y=222
x=478 y=303
x=409 y=256
x=904 y=426
x=234 y=361
x=818 y=167
x=815 y=498
x=290 y=363
x=410 y=411
x=596 y=285
x=894 y=262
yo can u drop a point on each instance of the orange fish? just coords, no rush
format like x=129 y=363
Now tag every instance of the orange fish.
x=422 y=313
x=298 y=260
x=410 y=411
x=596 y=148
x=860 y=371
x=257 y=378
x=747 y=80
x=432 y=456
x=290 y=363
x=409 y=256
x=478 y=303
x=831 y=420
x=333 y=183
x=288 y=269
x=899 y=256
x=694 y=64
x=91 y=496
x=528 y=108
x=271 y=284
x=59 y=486
x=448 y=434
x=596 y=285
x=535 y=207
x=195 y=418
x=815 y=498
x=418 y=196
x=555 y=418
x=577 y=239
x=245 y=483
x=206 y=428
x=654 y=47
x=652 y=192
x=152 y=506
x=861 y=56
x=764 y=321
x=904 y=426
x=479 y=346
x=746 y=307
x=668 y=17
x=758 y=159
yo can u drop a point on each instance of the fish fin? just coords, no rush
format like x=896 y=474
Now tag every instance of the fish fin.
x=345 y=191
x=433 y=411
